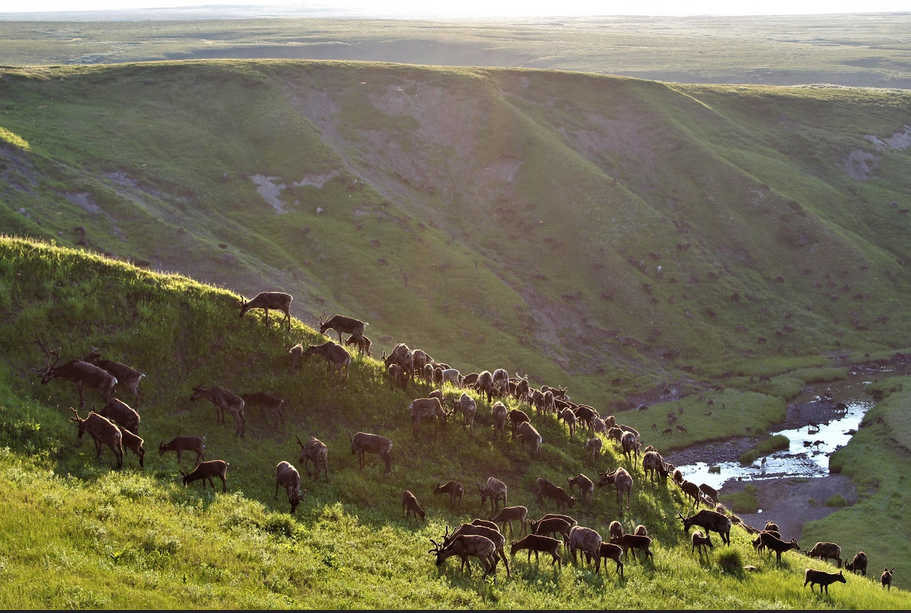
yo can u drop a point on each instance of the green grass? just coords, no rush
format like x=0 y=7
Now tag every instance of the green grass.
x=81 y=535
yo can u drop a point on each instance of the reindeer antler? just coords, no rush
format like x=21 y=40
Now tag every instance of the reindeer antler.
x=299 y=441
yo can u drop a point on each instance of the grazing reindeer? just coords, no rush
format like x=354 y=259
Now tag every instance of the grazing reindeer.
x=455 y=491
x=701 y=541
x=612 y=551
x=314 y=451
x=507 y=515
x=129 y=377
x=498 y=412
x=466 y=546
x=362 y=344
x=410 y=506
x=555 y=493
x=223 y=401
x=586 y=487
x=135 y=444
x=337 y=357
x=103 y=431
x=205 y=471
x=711 y=521
x=426 y=408
x=587 y=541
x=288 y=477
x=345 y=325
x=654 y=466
x=495 y=490
x=121 y=414
x=363 y=443
x=480 y=527
x=825 y=551
x=469 y=408
x=530 y=436
x=822 y=578
x=404 y=357
x=621 y=479
x=279 y=301
x=537 y=543
x=773 y=543
x=886 y=578
x=195 y=444
x=551 y=525
x=269 y=401
x=397 y=376
x=637 y=542
x=79 y=372
x=295 y=354
x=858 y=564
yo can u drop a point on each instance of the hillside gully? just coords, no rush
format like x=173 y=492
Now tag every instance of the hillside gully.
x=793 y=484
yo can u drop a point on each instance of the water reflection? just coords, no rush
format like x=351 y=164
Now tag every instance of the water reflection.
x=807 y=456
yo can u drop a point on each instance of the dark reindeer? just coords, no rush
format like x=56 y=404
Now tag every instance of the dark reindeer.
x=126 y=376
x=314 y=451
x=337 y=357
x=466 y=546
x=455 y=490
x=79 y=372
x=711 y=521
x=363 y=443
x=822 y=578
x=121 y=414
x=102 y=431
x=345 y=325
x=268 y=401
x=205 y=471
x=279 y=301
x=195 y=444
x=223 y=401
x=410 y=506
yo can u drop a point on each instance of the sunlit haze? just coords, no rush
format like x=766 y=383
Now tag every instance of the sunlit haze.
x=474 y=8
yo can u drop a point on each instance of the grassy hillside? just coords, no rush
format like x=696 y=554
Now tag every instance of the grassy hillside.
x=81 y=535
x=613 y=235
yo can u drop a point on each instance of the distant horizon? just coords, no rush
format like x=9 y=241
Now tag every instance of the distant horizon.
x=412 y=9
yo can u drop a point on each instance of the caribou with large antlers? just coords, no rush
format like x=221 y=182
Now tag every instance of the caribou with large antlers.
x=79 y=372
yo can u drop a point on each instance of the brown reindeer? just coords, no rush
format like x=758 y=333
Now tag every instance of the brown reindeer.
x=195 y=444
x=507 y=515
x=102 y=431
x=886 y=578
x=858 y=564
x=498 y=412
x=531 y=437
x=588 y=541
x=410 y=506
x=268 y=401
x=586 y=487
x=79 y=372
x=279 y=301
x=773 y=543
x=287 y=477
x=125 y=375
x=495 y=490
x=466 y=546
x=223 y=401
x=537 y=543
x=455 y=490
x=337 y=358
x=363 y=443
x=121 y=414
x=345 y=325
x=612 y=551
x=822 y=578
x=426 y=408
x=654 y=466
x=135 y=444
x=469 y=408
x=404 y=357
x=555 y=493
x=701 y=541
x=637 y=542
x=314 y=451
x=362 y=344
x=825 y=551
x=480 y=527
x=205 y=471
x=711 y=521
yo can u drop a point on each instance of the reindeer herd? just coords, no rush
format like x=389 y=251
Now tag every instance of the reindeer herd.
x=116 y=426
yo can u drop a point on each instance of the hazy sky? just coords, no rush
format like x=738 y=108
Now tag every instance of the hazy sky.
x=489 y=8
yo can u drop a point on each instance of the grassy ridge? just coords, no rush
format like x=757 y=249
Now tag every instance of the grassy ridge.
x=83 y=536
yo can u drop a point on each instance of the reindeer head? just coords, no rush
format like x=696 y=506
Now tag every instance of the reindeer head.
x=47 y=372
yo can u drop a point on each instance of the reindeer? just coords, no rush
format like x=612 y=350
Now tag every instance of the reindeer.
x=295 y=354
x=858 y=564
x=102 y=431
x=495 y=490
x=515 y=418
x=537 y=543
x=692 y=491
x=500 y=380
x=630 y=444
x=287 y=476
x=345 y=325
x=362 y=344
x=886 y=578
x=612 y=551
x=363 y=443
x=588 y=541
x=404 y=357
x=469 y=408
x=569 y=418
x=129 y=377
x=184 y=443
x=653 y=464
x=586 y=487
x=455 y=491
x=554 y=492
x=634 y=541
x=397 y=376
x=278 y=301
x=773 y=543
x=79 y=372
x=337 y=357
x=314 y=451
x=530 y=436
x=825 y=551
x=593 y=447
x=121 y=414
x=478 y=528
x=507 y=515
x=205 y=471
x=621 y=479
x=485 y=385
x=701 y=541
x=135 y=444
x=269 y=401
x=466 y=546
x=822 y=578
x=711 y=521
x=552 y=525
x=426 y=408
x=223 y=401
x=498 y=412
x=410 y=505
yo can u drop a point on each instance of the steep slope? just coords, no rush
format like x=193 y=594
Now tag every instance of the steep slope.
x=607 y=233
